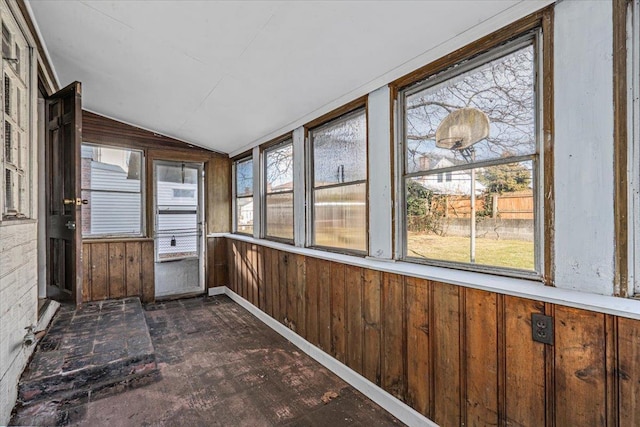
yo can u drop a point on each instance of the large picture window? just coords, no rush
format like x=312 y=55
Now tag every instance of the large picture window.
x=279 y=191
x=471 y=159
x=339 y=189
x=244 y=196
x=112 y=184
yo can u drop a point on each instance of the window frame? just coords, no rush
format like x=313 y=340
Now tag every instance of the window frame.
x=143 y=186
x=311 y=187
x=532 y=37
x=632 y=83
x=20 y=105
x=246 y=158
x=265 y=149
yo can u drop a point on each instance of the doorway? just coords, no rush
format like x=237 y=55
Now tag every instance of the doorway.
x=178 y=221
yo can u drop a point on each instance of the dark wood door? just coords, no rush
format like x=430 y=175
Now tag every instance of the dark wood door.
x=63 y=116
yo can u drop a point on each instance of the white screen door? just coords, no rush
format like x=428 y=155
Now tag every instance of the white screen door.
x=178 y=228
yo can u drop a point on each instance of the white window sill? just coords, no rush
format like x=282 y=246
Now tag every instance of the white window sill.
x=17 y=221
x=625 y=307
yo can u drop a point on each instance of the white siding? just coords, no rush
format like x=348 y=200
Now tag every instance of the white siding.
x=114 y=213
x=18 y=305
x=173 y=196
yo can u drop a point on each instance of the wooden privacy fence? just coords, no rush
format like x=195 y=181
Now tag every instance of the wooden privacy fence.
x=506 y=206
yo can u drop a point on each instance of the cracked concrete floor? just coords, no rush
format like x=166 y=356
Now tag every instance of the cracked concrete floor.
x=220 y=366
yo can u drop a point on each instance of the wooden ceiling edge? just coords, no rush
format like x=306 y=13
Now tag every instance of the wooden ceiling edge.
x=98 y=124
x=45 y=69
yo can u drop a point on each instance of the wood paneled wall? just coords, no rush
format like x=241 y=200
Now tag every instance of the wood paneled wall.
x=217 y=270
x=460 y=356
x=125 y=267
x=118 y=269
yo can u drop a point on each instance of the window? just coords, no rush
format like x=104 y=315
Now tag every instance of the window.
x=6 y=41
x=244 y=196
x=471 y=163
x=279 y=191
x=177 y=229
x=339 y=183
x=112 y=184
x=15 y=156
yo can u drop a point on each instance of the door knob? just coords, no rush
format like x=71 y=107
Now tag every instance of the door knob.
x=77 y=202
x=71 y=225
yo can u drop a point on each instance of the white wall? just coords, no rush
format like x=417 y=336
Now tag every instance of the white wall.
x=380 y=158
x=18 y=305
x=19 y=253
x=583 y=68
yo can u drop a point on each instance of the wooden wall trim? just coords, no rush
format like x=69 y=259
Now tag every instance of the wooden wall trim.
x=271 y=143
x=457 y=355
x=340 y=111
x=548 y=103
x=116 y=239
x=620 y=148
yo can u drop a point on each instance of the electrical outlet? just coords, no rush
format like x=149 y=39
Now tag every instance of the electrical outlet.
x=542 y=328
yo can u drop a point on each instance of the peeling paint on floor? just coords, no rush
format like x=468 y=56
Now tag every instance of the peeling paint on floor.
x=220 y=366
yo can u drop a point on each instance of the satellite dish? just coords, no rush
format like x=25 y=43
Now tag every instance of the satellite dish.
x=462 y=128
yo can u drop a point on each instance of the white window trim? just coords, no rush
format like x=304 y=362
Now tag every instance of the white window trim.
x=535 y=38
x=379 y=155
x=299 y=194
x=258 y=178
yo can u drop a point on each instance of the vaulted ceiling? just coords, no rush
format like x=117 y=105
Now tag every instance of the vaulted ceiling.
x=227 y=75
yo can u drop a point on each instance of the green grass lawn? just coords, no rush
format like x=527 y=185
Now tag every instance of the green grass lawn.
x=500 y=253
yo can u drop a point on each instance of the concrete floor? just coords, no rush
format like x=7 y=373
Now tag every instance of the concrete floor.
x=220 y=366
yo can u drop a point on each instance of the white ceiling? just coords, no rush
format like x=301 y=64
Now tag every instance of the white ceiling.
x=229 y=75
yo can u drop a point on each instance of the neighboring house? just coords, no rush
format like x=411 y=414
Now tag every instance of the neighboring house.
x=452 y=182
x=245 y=216
x=113 y=212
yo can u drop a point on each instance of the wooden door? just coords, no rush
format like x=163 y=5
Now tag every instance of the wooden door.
x=63 y=116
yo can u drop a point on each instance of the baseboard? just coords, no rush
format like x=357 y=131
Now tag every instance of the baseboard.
x=394 y=406
x=218 y=290
x=45 y=319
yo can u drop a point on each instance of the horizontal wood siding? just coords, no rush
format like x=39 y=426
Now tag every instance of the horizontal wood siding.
x=118 y=269
x=18 y=305
x=459 y=356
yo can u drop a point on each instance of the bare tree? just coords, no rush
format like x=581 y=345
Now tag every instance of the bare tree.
x=503 y=88
x=280 y=167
